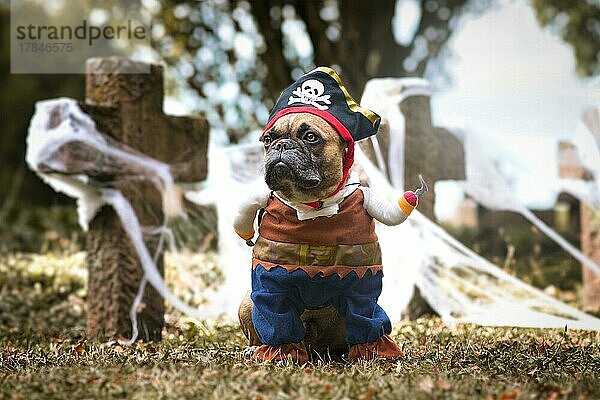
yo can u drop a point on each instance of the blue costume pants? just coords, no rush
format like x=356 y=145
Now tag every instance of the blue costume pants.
x=280 y=297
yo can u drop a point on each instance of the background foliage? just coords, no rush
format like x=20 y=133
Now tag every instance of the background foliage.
x=232 y=58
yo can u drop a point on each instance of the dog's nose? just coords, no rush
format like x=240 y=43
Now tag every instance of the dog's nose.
x=284 y=144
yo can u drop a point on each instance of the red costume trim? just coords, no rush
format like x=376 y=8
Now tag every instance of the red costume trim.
x=313 y=270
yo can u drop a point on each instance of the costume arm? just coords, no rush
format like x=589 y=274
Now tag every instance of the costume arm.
x=243 y=223
x=389 y=213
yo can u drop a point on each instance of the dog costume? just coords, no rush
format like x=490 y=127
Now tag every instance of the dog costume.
x=309 y=255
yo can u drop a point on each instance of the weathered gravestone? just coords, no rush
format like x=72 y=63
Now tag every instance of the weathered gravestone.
x=570 y=167
x=126 y=105
x=434 y=152
x=590 y=246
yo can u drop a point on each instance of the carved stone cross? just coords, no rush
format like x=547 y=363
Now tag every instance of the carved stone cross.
x=126 y=105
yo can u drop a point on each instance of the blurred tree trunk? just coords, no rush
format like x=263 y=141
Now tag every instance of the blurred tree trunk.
x=279 y=70
x=366 y=47
x=17 y=99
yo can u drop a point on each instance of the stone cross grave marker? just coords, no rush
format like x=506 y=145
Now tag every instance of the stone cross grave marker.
x=428 y=150
x=570 y=167
x=126 y=105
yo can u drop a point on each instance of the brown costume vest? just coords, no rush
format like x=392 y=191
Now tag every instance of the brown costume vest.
x=338 y=244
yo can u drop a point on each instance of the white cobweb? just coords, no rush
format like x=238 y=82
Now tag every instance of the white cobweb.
x=587 y=142
x=457 y=283
x=77 y=173
x=460 y=285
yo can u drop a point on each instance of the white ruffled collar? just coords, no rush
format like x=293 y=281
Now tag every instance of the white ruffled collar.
x=331 y=205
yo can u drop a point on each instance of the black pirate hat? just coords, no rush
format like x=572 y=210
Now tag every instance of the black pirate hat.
x=320 y=92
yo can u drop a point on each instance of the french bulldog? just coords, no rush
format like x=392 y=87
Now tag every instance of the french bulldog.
x=316 y=264
x=303 y=161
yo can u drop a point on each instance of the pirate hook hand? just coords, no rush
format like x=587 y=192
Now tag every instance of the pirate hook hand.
x=408 y=202
x=410 y=199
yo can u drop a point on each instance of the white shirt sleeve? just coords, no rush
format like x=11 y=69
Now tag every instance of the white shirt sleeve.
x=243 y=223
x=388 y=213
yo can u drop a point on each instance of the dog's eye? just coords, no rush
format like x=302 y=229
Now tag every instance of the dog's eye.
x=267 y=140
x=311 y=137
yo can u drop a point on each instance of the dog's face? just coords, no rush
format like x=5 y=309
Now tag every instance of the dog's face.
x=303 y=157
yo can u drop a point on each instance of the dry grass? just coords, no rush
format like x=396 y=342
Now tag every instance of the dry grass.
x=43 y=355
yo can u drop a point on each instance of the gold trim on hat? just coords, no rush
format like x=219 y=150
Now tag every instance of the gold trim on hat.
x=370 y=115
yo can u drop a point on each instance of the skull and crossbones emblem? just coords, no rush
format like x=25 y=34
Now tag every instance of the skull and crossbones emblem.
x=310 y=92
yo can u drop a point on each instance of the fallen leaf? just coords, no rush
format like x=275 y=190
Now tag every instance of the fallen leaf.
x=210 y=373
x=512 y=395
x=79 y=348
x=426 y=383
x=369 y=393
x=441 y=383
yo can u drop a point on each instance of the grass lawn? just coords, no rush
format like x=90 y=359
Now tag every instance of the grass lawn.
x=43 y=354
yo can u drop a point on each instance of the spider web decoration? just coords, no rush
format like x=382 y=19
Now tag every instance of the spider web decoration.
x=92 y=169
x=457 y=283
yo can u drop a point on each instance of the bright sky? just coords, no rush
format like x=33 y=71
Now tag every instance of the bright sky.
x=515 y=84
